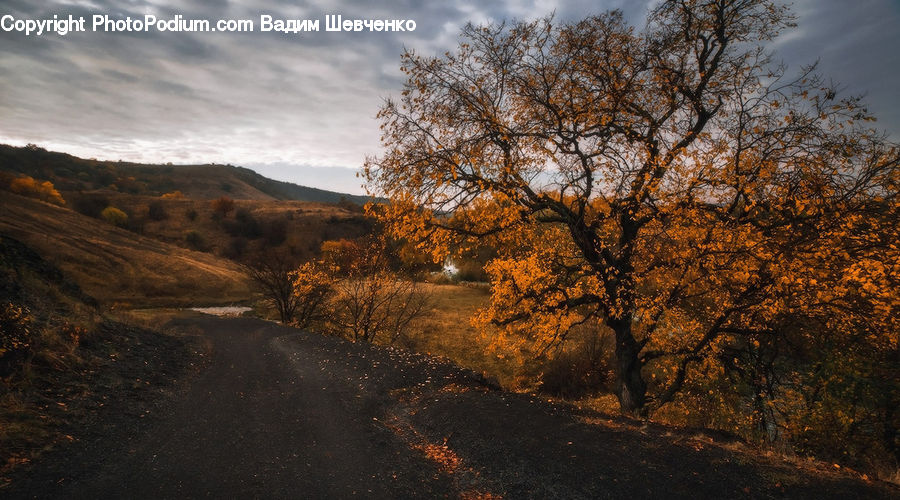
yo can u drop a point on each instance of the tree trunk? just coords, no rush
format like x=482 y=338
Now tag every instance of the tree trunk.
x=630 y=386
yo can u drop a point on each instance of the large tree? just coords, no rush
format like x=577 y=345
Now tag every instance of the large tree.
x=669 y=183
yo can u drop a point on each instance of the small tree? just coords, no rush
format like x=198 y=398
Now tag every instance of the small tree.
x=157 y=211
x=376 y=306
x=195 y=240
x=222 y=206
x=313 y=288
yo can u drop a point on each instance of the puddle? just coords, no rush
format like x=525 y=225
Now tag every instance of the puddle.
x=223 y=310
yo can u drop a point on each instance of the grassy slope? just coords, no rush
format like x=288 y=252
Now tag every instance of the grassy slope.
x=112 y=264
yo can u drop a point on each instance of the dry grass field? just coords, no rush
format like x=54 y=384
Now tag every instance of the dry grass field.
x=117 y=266
x=446 y=330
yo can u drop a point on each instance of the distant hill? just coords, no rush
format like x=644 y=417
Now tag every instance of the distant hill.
x=70 y=173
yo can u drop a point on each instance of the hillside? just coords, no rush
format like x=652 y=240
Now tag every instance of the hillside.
x=115 y=265
x=62 y=359
x=70 y=173
x=253 y=228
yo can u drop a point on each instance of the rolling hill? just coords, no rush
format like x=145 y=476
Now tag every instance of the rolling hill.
x=70 y=173
x=166 y=249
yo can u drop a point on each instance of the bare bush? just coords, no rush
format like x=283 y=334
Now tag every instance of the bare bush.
x=366 y=299
x=380 y=305
x=274 y=276
x=222 y=206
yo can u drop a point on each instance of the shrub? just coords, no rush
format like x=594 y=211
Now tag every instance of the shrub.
x=582 y=368
x=15 y=336
x=195 y=240
x=157 y=211
x=375 y=304
x=44 y=191
x=114 y=216
x=90 y=204
x=222 y=206
x=174 y=195
x=350 y=206
x=244 y=225
x=235 y=249
x=274 y=274
x=371 y=301
x=469 y=270
x=275 y=231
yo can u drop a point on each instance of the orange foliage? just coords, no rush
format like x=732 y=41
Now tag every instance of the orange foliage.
x=223 y=205
x=44 y=191
x=174 y=195
x=727 y=224
x=312 y=288
x=114 y=216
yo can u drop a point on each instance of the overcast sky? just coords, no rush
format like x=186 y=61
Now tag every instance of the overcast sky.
x=285 y=104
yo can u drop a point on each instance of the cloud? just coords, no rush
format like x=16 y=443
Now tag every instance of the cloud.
x=311 y=98
x=857 y=45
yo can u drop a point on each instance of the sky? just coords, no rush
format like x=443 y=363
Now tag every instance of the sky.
x=301 y=107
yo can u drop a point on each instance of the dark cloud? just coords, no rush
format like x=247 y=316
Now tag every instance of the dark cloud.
x=310 y=99
x=857 y=45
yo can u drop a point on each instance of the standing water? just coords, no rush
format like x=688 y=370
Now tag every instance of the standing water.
x=222 y=310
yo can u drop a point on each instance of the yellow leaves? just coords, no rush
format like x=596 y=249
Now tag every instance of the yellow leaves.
x=44 y=191
x=593 y=211
x=16 y=326
x=311 y=276
x=114 y=216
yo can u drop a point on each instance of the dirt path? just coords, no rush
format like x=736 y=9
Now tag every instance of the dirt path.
x=254 y=424
x=282 y=414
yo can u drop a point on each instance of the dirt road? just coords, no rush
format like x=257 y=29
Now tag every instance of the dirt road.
x=278 y=413
x=254 y=424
